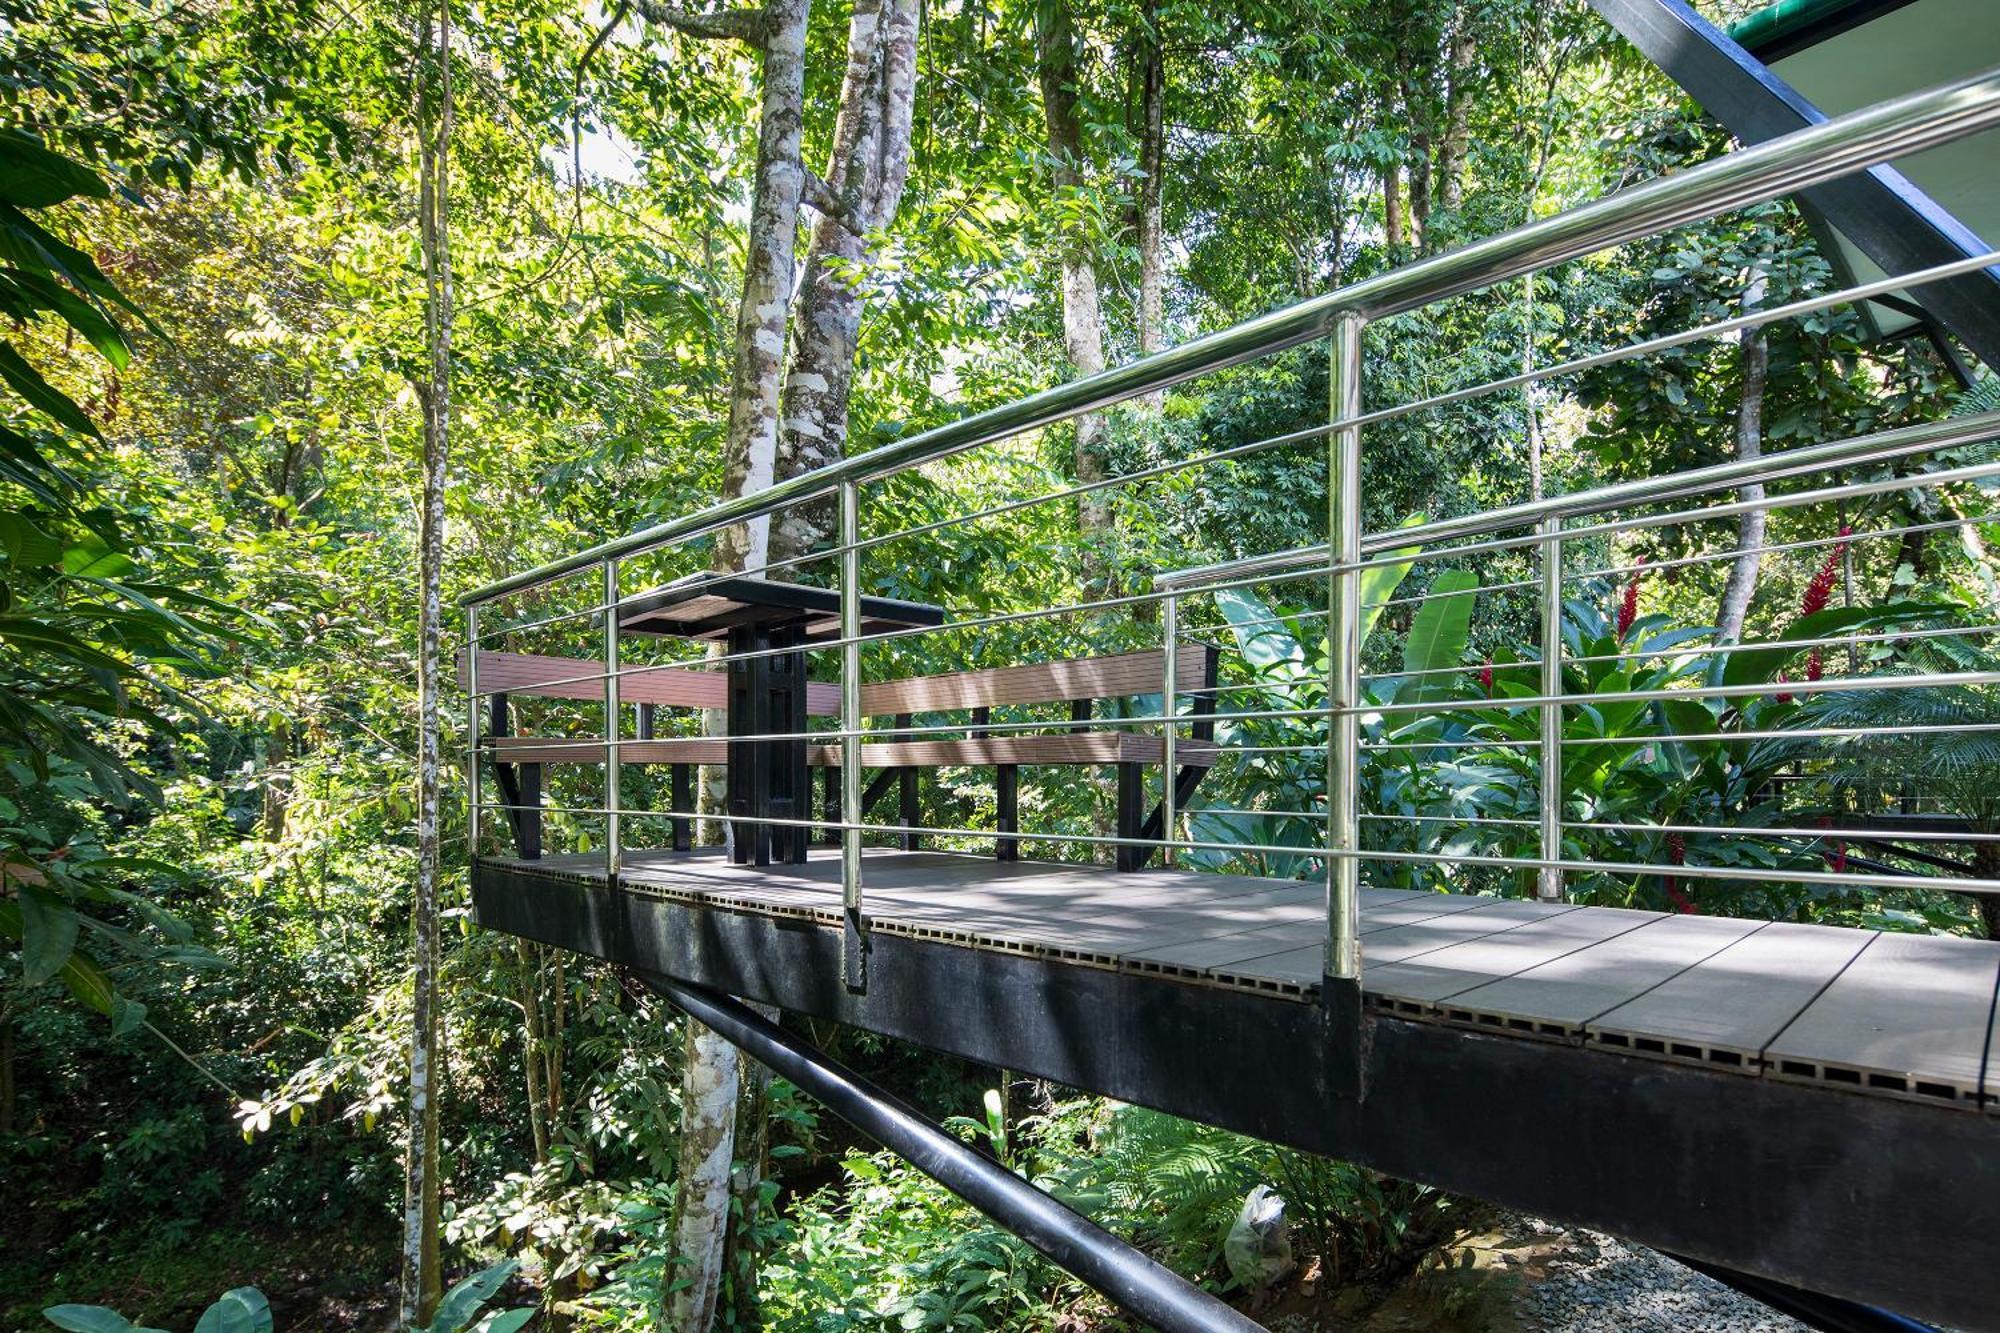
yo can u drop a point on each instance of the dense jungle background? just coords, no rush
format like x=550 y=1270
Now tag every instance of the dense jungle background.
x=306 y=296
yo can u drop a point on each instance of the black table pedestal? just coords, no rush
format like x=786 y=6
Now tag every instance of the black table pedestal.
x=767 y=779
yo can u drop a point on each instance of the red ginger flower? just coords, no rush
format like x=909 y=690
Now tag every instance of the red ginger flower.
x=1628 y=606
x=1486 y=679
x=1677 y=855
x=1836 y=857
x=1819 y=592
x=1783 y=696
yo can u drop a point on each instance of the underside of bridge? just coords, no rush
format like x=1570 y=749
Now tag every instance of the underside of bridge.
x=1885 y=1195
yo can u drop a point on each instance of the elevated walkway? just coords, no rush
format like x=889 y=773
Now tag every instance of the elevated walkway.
x=1810 y=1103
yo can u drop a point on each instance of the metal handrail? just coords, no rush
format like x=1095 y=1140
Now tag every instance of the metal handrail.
x=1881 y=446
x=1752 y=175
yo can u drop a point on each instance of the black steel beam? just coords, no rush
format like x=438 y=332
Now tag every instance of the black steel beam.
x=1136 y=1283
x=1886 y=216
x=1888 y=1202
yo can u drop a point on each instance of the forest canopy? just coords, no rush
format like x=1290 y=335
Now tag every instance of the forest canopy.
x=323 y=315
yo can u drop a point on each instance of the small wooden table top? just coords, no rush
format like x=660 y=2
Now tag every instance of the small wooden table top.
x=704 y=607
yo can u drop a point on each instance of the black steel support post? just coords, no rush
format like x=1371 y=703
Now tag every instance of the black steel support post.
x=1136 y=1283
x=768 y=779
x=520 y=786
x=682 y=804
x=1880 y=211
x=1131 y=814
x=909 y=810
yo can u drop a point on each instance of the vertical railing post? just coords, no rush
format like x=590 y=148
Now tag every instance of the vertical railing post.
x=1343 y=685
x=1170 y=706
x=853 y=945
x=1549 y=879
x=611 y=802
x=472 y=732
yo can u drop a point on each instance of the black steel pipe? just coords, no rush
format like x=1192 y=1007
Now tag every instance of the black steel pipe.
x=1139 y=1286
x=1829 y=1314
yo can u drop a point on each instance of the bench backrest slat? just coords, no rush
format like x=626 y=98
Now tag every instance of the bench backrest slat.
x=674 y=687
x=1111 y=677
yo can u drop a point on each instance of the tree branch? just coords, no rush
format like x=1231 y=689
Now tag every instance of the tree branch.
x=827 y=202
x=743 y=25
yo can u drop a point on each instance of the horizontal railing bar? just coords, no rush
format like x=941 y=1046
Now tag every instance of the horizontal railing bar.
x=1163 y=590
x=1783 y=832
x=1842 y=879
x=1781 y=166
x=1754 y=874
x=1781 y=548
x=1880 y=446
x=1688 y=648
x=1932 y=435
x=1721 y=328
x=1689 y=738
x=1934 y=680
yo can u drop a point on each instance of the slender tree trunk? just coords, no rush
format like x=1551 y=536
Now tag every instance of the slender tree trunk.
x=1083 y=325
x=6 y=1074
x=552 y=1040
x=711 y=1071
x=531 y=1047
x=1420 y=189
x=277 y=780
x=1986 y=865
x=866 y=170
x=1742 y=582
x=750 y=450
x=420 y=1262
x=1458 y=111
x=709 y=1089
x=1152 y=181
x=1392 y=209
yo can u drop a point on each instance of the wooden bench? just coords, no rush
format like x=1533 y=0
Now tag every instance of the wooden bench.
x=1078 y=682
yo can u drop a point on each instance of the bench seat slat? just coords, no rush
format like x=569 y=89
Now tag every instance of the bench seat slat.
x=1091 y=747
x=674 y=687
x=1111 y=677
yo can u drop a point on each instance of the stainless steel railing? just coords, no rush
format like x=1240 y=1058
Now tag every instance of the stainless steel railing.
x=1543 y=531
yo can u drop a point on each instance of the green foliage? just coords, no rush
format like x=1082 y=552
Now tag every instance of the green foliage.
x=245 y=1310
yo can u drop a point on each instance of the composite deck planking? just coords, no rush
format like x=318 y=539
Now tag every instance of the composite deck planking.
x=1903 y=1016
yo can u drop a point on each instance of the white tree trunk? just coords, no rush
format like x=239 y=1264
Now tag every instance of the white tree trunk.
x=750 y=456
x=1152 y=183
x=867 y=169
x=1742 y=584
x=1083 y=325
x=711 y=1074
x=420 y=1268
x=709 y=1086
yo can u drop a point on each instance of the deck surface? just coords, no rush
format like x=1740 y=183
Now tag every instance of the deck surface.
x=1901 y=1016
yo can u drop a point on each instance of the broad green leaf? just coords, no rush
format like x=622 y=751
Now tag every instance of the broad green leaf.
x=33 y=176
x=84 y=978
x=1438 y=635
x=28 y=546
x=91 y=558
x=25 y=380
x=1755 y=665
x=91 y=1319
x=243 y=1310
x=1265 y=642
x=1379 y=581
x=462 y=1302
x=48 y=934
x=506 y=1321
x=127 y=1016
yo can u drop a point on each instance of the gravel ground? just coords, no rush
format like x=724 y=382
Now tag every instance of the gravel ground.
x=1593 y=1283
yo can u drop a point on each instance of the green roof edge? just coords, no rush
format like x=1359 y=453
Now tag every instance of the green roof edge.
x=1782 y=19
